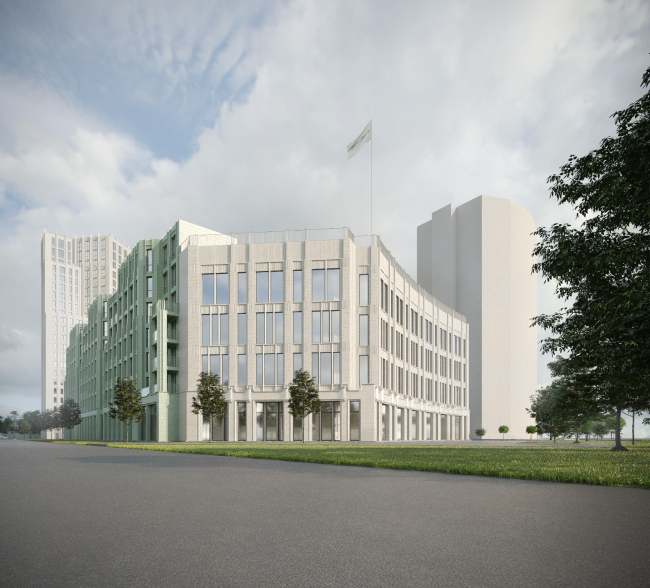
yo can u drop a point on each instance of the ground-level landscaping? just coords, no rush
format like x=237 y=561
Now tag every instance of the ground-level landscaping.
x=587 y=463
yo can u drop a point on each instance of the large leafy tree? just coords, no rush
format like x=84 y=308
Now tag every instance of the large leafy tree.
x=127 y=406
x=601 y=267
x=69 y=414
x=548 y=419
x=210 y=400
x=304 y=398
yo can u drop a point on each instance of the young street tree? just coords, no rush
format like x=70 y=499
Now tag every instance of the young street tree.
x=128 y=404
x=601 y=266
x=503 y=429
x=303 y=398
x=211 y=399
x=480 y=433
x=69 y=415
x=531 y=430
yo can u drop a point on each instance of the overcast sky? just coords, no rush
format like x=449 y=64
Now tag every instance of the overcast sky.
x=121 y=117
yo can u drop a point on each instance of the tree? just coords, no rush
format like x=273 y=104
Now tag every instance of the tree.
x=35 y=420
x=480 y=433
x=303 y=397
x=599 y=429
x=14 y=421
x=549 y=420
x=128 y=404
x=601 y=266
x=24 y=427
x=211 y=399
x=51 y=419
x=610 y=422
x=504 y=429
x=70 y=415
x=531 y=430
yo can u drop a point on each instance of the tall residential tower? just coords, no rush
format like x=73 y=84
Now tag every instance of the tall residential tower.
x=74 y=271
x=477 y=259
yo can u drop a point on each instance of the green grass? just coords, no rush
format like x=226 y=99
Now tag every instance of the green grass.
x=584 y=464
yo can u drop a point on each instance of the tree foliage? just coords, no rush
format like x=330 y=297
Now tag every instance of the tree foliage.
x=210 y=400
x=601 y=267
x=127 y=406
x=503 y=429
x=543 y=409
x=69 y=414
x=304 y=398
x=480 y=433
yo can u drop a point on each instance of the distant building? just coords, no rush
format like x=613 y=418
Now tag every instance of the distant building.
x=73 y=272
x=390 y=361
x=477 y=258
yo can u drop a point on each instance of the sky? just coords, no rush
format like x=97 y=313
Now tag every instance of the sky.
x=121 y=117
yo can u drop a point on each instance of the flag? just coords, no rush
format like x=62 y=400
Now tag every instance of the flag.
x=363 y=138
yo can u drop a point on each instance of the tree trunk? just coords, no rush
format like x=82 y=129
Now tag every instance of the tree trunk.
x=577 y=435
x=618 y=446
x=127 y=431
x=633 y=427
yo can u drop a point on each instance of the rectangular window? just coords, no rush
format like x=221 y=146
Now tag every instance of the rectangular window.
x=326 y=327
x=336 y=326
x=314 y=367
x=225 y=372
x=297 y=327
x=204 y=363
x=333 y=284
x=269 y=327
x=149 y=260
x=259 y=369
x=277 y=286
x=297 y=362
x=414 y=424
x=215 y=365
x=364 y=330
x=241 y=328
x=241 y=370
x=318 y=285
x=336 y=369
x=326 y=369
x=215 y=329
x=297 y=285
x=206 y=329
x=355 y=420
x=241 y=288
x=364 y=297
x=260 y=329
x=364 y=370
x=279 y=327
x=224 y=329
x=262 y=287
x=241 y=420
x=208 y=288
x=280 y=370
x=222 y=289
x=315 y=326
x=269 y=369
x=149 y=287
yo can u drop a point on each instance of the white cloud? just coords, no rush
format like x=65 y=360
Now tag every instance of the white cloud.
x=466 y=98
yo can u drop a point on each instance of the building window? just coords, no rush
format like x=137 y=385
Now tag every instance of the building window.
x=208 y=288
x=149 y=287
x=318 y=285
x=222 y=289
x=205 y=340
x=262 y=287
x=297 y=362
x=297 y=327
x=364 y=370
x=355 y=420
x=242 y=370
x=297 y=285
x=333 y=284
x=241 y=420
x=241 y=328
x=326 y=291
x=277 y=286
x=241 y=287
x=364 y=330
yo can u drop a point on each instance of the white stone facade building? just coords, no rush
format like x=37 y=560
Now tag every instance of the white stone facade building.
x=73 y=272
x=477 y=258
x=390 y=361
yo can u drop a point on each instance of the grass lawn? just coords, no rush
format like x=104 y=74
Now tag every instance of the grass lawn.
x=584 y=464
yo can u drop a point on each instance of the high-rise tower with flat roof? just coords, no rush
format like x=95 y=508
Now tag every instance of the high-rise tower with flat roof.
x=477 y=259
x=74 y=271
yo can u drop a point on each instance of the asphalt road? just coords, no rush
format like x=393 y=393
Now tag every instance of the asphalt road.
x=95 y=516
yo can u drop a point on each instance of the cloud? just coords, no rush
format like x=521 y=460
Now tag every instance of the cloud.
x=122 y=118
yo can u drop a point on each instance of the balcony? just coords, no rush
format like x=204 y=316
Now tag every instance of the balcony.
x=172 y=335
x=172 y=363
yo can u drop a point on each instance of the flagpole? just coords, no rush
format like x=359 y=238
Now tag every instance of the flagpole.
x=371 y=142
